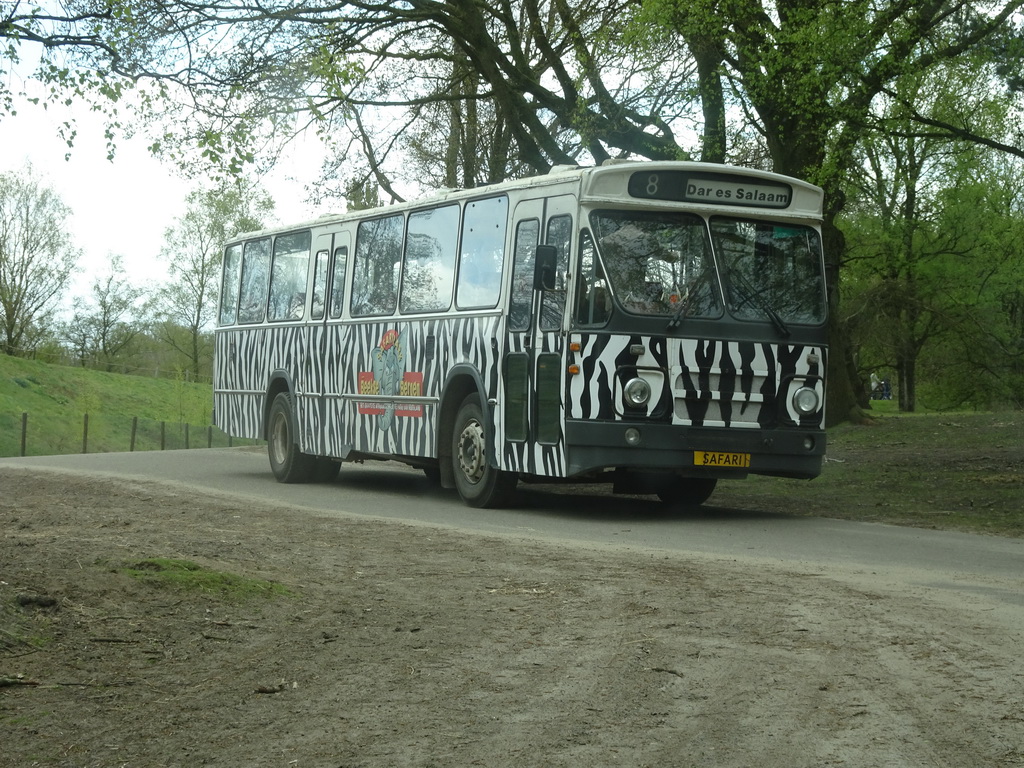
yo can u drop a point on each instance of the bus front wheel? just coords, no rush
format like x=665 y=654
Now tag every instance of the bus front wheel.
x=288 y=463
x=479 y=484
x=688 y=491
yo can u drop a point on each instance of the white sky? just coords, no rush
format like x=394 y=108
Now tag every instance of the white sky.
x=125 y=205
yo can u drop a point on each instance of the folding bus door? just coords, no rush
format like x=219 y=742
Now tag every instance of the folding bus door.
x=323 y=375
x=533 y=413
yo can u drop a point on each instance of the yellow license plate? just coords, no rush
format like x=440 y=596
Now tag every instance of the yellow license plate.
x=719 y=459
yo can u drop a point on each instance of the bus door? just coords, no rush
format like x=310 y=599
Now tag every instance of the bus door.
x=322 y=380
x=533 y=416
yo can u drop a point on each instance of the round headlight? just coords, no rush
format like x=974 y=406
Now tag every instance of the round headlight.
x=806 y=401
x=636 y=393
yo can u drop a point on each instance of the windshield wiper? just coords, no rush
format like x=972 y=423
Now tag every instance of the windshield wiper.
x=684 y=307
x=750 y=294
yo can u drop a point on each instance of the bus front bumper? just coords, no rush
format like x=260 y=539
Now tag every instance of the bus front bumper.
x=695 y=451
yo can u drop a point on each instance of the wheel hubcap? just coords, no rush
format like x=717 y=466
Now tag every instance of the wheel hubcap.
x=279 y=439
x=472 y=459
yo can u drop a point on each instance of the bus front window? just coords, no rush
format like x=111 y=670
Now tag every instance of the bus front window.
x=658 y=263
x=771 y=270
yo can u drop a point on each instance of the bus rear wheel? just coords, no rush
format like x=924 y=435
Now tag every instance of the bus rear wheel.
x=480 y=485
x=289 y=464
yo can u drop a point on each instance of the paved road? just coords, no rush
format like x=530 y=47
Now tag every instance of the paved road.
x=982 y=567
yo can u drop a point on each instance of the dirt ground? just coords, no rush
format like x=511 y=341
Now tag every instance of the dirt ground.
x=399 y=645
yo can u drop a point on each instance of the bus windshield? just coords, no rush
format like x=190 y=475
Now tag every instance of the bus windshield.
x=771 y=270
x=662 y=264
x=658 y=263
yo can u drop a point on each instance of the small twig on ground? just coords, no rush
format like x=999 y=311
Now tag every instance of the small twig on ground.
x=6 y=682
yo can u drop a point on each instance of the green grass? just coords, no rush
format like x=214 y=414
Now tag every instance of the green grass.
x=57 y=399
x=958 y=471
x=184 y=575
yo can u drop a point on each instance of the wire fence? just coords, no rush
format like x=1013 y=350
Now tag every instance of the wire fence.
x=23 y=434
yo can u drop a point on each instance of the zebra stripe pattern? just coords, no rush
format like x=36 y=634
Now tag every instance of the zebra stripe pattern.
x=376 y=387
x=701 y=382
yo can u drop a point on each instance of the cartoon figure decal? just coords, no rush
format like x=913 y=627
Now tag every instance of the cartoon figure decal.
x=389 y=378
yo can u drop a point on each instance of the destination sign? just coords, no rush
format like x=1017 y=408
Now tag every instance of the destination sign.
x=710 y=188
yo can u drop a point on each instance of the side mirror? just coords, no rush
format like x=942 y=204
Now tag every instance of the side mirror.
x=546 y=268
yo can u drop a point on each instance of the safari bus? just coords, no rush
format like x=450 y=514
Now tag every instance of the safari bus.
x=658 y=326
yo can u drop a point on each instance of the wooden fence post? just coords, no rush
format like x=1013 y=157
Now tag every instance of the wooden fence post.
x=24 y=431
x=85 y=433
x=135 y=427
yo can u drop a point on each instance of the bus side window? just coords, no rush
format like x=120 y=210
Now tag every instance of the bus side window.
x=252 y=303
x=319 y=285
x=375 y=271
x=288 y=276
x=483 y=253
x=559 y=234
x=338 y=282
x=593 y=301
x=527 y=237
x=429 y=271
x=229 y=289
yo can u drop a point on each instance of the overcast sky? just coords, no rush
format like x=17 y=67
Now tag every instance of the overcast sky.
x=125 y=205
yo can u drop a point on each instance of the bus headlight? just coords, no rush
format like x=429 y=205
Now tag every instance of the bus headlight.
x=806 y=401
x=636 y=393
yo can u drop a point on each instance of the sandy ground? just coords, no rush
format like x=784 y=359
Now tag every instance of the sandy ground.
x=409 y=646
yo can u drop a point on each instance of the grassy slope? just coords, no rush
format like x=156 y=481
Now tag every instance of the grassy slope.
x=56 y=399
x=962 y=471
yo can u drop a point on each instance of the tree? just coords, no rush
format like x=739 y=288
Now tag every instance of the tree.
x=104 y=326
x=36 y=257
x=923 y=233
x=811 y=74
x=978 y=226
x=932 y=275
x=905 y=271
x=561 y=80
x=85 y=51
x=567 y=82
x=193 y=250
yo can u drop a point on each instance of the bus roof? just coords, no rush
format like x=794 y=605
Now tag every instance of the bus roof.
x=605 y=183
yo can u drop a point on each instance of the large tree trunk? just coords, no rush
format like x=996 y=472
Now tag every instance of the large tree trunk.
x=843 y=400
x=798 y=149
x=708 y=54
x=906 y=368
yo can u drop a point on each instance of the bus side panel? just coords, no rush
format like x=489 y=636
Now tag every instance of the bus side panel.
x=235 y=410
x=238 y=399
x=246 y=357
x=472 y=341
x=408 y=358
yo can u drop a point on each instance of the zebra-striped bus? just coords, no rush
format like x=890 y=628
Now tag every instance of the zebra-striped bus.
x=656 y=325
